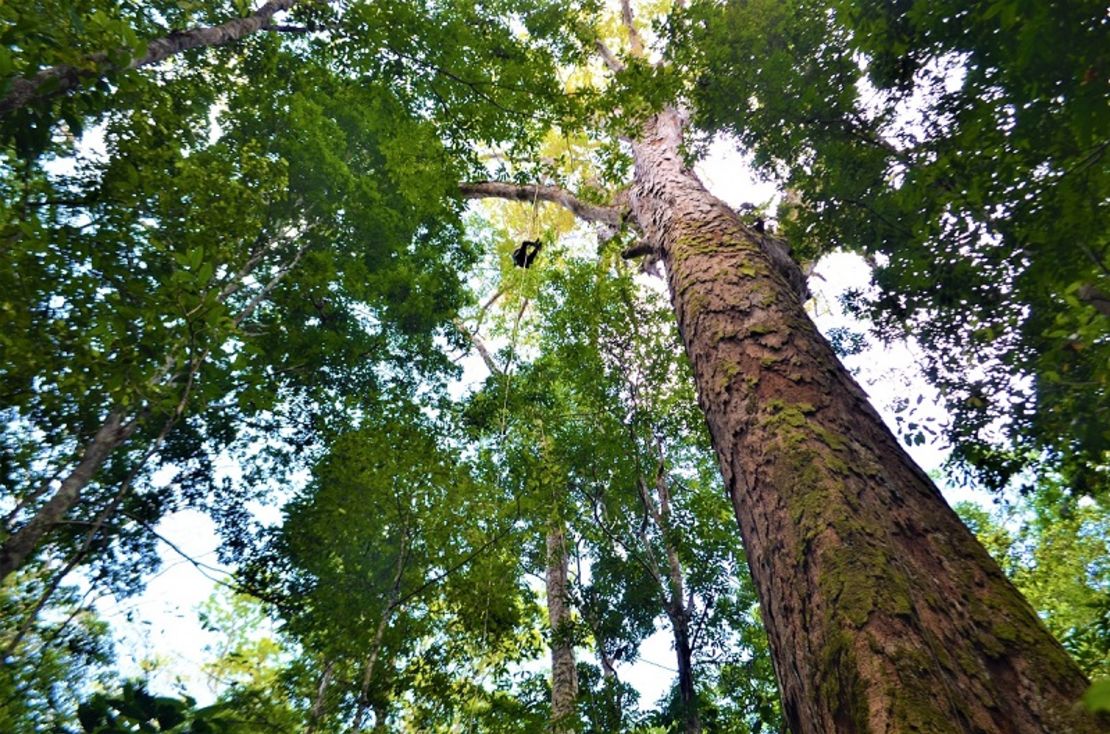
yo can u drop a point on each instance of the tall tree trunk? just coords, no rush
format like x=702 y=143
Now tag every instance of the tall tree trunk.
x=564 y=674
x=364 y=703
x=613 y=703
x=394 y=600
x=883 y=611
x=64 y=77
x=20 y=544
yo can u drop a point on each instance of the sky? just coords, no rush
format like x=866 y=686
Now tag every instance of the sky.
x=164 y=628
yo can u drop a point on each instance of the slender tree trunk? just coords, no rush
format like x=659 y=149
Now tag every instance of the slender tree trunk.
x=564 y=674
x=393 y=602
x=64 y=77
x=20 y=544
x=613 y=704
x=368 y=672
x=680 y=624
x=677 y=608
x=611 y=681
x=679 y=612
x=319 y=701
x=883 y=611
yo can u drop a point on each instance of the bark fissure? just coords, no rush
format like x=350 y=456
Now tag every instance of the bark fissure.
x=883 y=611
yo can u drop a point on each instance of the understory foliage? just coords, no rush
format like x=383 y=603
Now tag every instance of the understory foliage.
x=254 y=256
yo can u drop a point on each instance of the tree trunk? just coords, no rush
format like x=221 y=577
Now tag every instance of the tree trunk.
x=18 y=547
x=680 y=626
x=64 y=77
x=564 y=674
x=392 y=603
x=320 y=700
x=678 y=611
x=883 y=611
x=364 y=702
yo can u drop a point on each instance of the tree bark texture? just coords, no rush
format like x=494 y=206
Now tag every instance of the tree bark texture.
x=883 y=611
x=564 y=674
x=18 y=547
x=64 y=77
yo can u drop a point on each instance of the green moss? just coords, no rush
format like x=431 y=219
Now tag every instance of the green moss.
x=1005 y=631
x=841 y=686
x=695 y=304
x=727 y=374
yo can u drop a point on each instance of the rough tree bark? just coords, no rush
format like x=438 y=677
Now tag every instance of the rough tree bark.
x=564 y=674
x=63 y=78
x=883 y=611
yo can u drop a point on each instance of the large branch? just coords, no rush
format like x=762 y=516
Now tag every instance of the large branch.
x=611 y=61
x=535 y=192
x=480 y=346
x=64 y=77
x=636 y=43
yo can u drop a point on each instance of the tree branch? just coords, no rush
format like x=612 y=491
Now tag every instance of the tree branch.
x=608 y=57
x=479 y=345
x=65 y=77
x=636 y=42
x=533 y=192
x=638 y=250
x=294 y=29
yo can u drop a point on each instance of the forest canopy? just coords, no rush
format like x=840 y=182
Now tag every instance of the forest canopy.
x=423 y=309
